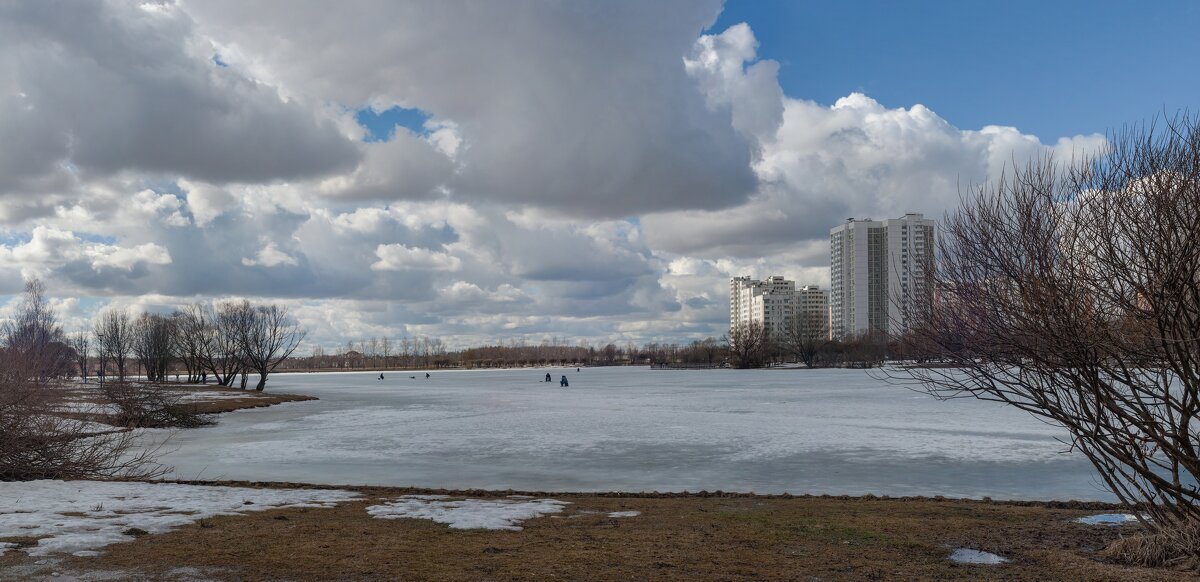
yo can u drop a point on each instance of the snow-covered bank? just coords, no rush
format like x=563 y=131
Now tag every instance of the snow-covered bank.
x=79 y=517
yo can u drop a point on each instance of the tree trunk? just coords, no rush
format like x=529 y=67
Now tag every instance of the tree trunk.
x=262 y=382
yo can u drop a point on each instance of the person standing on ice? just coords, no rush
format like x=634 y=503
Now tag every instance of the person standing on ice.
x=563 y=382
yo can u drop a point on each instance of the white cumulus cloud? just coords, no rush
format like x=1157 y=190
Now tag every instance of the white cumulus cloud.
x=398 y=257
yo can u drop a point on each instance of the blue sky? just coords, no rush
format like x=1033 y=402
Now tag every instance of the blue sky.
x=1048 y=68
x=381 y=125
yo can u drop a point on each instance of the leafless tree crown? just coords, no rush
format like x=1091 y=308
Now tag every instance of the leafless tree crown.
x=1072 y=291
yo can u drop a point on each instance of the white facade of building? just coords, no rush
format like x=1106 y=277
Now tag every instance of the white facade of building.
x=910 y=242
x=812 y=303
x=773 y=303
x=876 y=274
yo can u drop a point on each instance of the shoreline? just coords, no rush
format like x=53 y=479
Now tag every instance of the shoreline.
x=1072 y=504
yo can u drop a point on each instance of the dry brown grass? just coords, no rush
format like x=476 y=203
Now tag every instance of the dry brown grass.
x=675 y=538
x=1177 y=548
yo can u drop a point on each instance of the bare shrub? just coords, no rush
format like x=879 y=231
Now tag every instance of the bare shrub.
x=148 y=406
x=38 y=443
x=42 y=445
x=1073 y=292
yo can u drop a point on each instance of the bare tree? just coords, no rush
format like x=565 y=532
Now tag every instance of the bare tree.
x=114 y=339
x=154 y=344
x=710 y=349
x=267 y=335
x=803 y=337
x=748 y=345
x=224 y=356
x=193 y=339
x=33 y=340
x=81 y=343
x=1073 y=293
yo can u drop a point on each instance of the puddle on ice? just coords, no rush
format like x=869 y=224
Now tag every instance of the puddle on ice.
x=1107 y=519
x=967 y=556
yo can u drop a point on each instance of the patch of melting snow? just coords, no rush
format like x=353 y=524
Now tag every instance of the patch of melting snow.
x=88 y=407
x=625 y=514
x=1107 y=519
x=502 y=514
x=78 y=517
x=969 y=556
x=6 y=546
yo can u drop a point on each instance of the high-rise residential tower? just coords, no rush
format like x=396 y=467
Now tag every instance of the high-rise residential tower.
x=877 y=277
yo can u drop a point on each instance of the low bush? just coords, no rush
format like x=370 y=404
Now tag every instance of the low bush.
x=148 y=406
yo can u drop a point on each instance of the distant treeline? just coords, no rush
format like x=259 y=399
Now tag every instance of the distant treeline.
x=422 y=353
x=431 y=353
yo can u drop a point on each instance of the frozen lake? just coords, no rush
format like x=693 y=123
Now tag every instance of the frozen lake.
x=634 y=429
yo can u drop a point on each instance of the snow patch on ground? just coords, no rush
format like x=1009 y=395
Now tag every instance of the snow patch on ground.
x=5 y=546
x=1107 y=519
x=468 y=513
x=79 y=517
x=625 y=514
x=968 y=556
x=88 y=407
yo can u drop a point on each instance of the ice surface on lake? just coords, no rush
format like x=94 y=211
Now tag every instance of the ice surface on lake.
x=80 y=516
x=635 y=429
x=967 y=556
x=1108 y=519
x=468 y=513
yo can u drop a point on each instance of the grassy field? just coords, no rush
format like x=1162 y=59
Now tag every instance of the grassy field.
x=674 y=538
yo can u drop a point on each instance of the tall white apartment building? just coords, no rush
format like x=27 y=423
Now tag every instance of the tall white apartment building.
x=877 y=278
x=774 y=303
